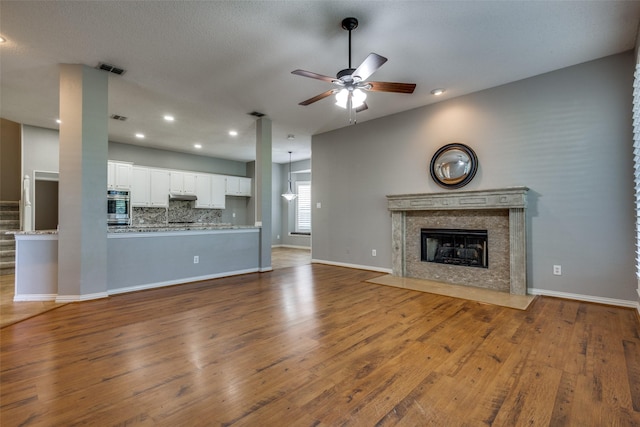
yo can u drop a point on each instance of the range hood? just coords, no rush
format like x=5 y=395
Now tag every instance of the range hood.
x=178 y=196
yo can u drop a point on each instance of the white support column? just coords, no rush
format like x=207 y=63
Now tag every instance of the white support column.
x=82 y=240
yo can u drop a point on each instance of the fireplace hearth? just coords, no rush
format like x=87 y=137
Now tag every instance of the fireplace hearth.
x=467 y=248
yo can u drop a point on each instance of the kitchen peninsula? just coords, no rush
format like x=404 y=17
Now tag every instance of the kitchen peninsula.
x=142 y=257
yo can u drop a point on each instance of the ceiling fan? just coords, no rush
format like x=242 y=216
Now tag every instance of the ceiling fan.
x=351 y=82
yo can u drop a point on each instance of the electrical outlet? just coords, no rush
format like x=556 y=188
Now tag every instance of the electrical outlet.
x=196 y=259
x=233 y=215
x=557 y=270
x=373 y=252
x=318 y=205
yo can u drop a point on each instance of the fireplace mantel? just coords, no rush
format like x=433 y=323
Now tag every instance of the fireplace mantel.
x=513 y=199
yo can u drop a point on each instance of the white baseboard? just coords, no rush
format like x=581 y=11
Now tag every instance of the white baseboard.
x=179 y=281
x=266 y=269
x=359 y=267
x=35 y=297
x=77 y=298
x=588 y=298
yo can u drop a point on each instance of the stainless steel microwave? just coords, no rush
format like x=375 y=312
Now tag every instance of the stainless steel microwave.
x=118 y=207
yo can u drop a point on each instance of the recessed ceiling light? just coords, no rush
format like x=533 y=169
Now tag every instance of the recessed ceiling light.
x=58 y=121
x=233 y=133
x=437 y=92
x=2 y=39
x=169 y=118
x=140 y=135
x=198 y=146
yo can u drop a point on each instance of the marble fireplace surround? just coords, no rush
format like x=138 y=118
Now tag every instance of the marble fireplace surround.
x=510 y=201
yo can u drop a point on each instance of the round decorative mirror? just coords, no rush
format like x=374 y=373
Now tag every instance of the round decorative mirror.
x=454 y=165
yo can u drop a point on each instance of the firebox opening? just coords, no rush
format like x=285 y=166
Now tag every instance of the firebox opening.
x=455 y=247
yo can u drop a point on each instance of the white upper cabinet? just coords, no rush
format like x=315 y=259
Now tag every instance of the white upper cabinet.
x=160 y=183
x=183 y=183
x=203 y=190
x=140 y=187
x=218 y=191
x=238 y=186
x=210 y=190
x=119 y=175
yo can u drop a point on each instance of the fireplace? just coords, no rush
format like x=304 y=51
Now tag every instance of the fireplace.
x=497 y=259
x=467 y=248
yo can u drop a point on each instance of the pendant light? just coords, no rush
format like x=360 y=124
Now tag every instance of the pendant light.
x=289 y=195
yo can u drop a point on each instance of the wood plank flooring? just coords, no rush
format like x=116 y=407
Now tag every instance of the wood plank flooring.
x=317 y=345
x=12 y=312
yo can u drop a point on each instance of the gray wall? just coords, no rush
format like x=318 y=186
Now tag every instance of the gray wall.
x=153 y=259
x=276 y=203
x=153 y=157
x=567 y=135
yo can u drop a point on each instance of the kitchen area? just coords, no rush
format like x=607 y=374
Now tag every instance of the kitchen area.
x=164 y=225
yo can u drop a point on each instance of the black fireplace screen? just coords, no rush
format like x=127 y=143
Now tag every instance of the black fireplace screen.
x=457 y=247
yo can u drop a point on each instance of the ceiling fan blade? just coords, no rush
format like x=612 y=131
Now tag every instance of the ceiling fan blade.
x=313 y=75
x=316 y=98
x=369 y=66
x=363 y=107
x=392 y=87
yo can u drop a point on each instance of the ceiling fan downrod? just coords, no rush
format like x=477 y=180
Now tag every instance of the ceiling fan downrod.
x=350 y=24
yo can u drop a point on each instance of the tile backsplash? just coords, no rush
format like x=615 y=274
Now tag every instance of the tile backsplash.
x=178 y=211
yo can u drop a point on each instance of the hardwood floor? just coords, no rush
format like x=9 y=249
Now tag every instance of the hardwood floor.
x=316 y=345
x=289 y=257
x=12 y=312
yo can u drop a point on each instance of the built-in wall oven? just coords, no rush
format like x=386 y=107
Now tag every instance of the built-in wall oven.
x=118 y=207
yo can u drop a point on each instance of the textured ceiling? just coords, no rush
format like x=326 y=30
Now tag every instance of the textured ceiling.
x=210 y=63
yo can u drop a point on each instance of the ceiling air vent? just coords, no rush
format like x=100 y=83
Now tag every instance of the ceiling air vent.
x=256 y=114
x=111 y=68
x=117 y=117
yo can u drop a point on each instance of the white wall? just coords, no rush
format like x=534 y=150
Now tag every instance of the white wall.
x=567 y=135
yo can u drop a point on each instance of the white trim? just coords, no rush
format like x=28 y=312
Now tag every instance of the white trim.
x=179 y=281
x=266 y=269
x=588 y=298
x=85 y=297
x=35 y=297
x=359 y=267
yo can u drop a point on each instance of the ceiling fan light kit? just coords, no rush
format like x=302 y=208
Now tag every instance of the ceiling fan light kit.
x=351 y=82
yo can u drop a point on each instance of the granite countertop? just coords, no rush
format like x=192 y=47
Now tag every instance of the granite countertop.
x=148 y=228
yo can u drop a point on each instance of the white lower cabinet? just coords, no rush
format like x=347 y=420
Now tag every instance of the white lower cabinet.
x=210 y=190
